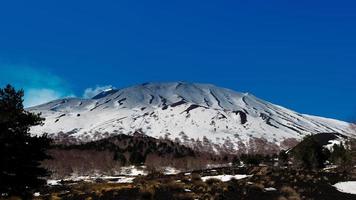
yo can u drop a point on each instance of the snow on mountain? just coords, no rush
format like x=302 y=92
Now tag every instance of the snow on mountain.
x=186 y=112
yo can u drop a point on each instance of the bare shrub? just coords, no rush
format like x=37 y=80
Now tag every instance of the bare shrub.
x=257 y=187
x=289 y=193
x=213 y=181
x=80 y=162
x=196 y=177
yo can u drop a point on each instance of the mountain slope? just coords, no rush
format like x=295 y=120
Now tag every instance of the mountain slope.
x=200 y=115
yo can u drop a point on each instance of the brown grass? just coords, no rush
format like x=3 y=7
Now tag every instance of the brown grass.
x=289 y=193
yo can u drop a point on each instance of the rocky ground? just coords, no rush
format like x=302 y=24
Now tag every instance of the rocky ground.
x=260 y=182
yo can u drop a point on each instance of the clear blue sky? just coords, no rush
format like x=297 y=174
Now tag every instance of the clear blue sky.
x=298 y=54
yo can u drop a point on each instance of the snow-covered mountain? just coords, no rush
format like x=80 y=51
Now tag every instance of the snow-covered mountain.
x=194 y=114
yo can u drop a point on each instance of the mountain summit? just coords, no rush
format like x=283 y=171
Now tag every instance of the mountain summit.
x=200 y=115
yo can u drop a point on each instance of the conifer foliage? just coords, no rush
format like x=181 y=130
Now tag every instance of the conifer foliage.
x=20 y=154
x=310 y=153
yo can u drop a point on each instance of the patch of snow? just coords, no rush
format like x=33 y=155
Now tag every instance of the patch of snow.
x=36 y=194
x=270 y=189
x=106 y=177
x=127 y=175
x=346 y=187
x=76 y=178
x=120 y=179
x=225 y=178
x=133 y=171
x=330 y=167
x=171 y=171
x=53 y=182
x=331 y=143
x=125 y=180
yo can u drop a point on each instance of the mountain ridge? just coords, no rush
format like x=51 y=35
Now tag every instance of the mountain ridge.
x=217 y=119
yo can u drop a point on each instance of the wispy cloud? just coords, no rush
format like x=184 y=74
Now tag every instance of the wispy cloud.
x=38 y=96
x=40 y=85
x=91 y=92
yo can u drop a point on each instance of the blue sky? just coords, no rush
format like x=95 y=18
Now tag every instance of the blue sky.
x=299 y=54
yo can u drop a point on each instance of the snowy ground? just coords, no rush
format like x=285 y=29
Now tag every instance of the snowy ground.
x=346 y=187
x=125 y=175
x=225 y=178
x=133 y=171
x=110 y=179
x=170 y=171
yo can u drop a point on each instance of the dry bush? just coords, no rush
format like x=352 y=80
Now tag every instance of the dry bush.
x=282 y=198
x=289 y=193
x=213 y=181
x=174 y=186
x=196 y=177
x=148 y=188
x=171 y=190
x=80 y=162
x=257 y=187
x=186 y=162
x=185 y=179
x=185 y=196
x=154 y=172
x=199 y=186
x=11 y=198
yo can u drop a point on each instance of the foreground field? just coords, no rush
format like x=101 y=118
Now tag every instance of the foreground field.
x=219 y=183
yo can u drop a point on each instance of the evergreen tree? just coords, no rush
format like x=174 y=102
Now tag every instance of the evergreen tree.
x=20 y=154
x=340 y=155
x=310 y=153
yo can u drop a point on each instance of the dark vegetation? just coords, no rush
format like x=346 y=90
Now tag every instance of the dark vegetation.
x=109 y=154
x=311 y=153
x=20 y=154
x=265 y=183
x=138 y=147
x=294 y=174
x=254 y=159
